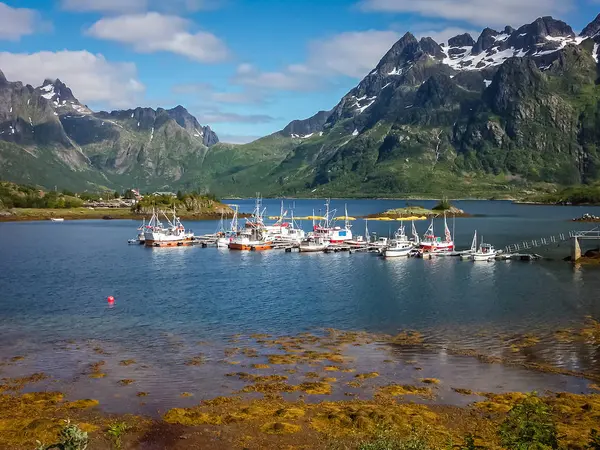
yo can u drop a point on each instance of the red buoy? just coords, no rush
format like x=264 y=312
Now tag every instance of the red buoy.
x=110 y=300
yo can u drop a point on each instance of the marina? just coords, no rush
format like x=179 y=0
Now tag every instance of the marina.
x=327 y=237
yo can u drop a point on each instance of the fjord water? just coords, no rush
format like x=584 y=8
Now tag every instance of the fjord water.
x=55 y=278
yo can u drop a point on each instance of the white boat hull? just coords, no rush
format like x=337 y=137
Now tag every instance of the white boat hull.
x=394 y=253
x=483 y=256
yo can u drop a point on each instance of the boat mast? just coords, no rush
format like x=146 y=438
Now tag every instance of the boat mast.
x=347 y=221
x=234 y=219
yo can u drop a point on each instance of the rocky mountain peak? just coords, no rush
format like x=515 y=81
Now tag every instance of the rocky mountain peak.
x=485 y=41
x=592 y=29
x=186 y=120
x=60 y=96
x=548 y=26
x=3 y=79
x=461 y=40
x=403 y=50
x=431 y=47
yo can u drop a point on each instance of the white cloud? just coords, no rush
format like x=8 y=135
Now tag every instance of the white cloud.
x=209 y=93
x=291 y=78
x=133 y=6
x=18 y=22
x=153 y=32
x=91 y=77
x=480 y=12
x=352 y=54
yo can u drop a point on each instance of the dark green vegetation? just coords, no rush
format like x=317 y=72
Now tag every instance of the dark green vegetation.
x=428 y=121
x=573 y=195
x=188 y=202
x=23 y=196
x=71 y=438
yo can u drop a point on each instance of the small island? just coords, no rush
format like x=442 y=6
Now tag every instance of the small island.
x=443 y=207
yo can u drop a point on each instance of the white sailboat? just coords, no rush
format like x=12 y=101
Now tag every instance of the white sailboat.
x=468 y=254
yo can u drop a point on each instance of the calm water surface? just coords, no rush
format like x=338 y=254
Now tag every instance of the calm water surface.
x=55 y=277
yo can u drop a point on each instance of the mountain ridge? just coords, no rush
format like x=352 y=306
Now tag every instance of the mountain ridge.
x=508 y=111
x=145 y=146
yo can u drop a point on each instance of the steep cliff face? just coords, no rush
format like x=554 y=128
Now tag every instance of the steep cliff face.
x=523 y=104
x=141 y=146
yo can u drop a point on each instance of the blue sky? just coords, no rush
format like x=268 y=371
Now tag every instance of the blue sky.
x=244 y=67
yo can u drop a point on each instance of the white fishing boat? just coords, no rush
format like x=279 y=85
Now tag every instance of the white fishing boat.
x=225 y=237
x=381 y=243
x=254 y=235
x=56 y=219
x=399 y=246
x=327 y=231
x=485 y=252
x=313 y=244
x=172 y=235
x=285 y=231
x=433 y=244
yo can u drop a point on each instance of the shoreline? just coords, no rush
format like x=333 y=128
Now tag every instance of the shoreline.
x=32 y=215
x=290 y=398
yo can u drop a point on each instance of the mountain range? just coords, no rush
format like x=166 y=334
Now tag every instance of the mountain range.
x=505 y=112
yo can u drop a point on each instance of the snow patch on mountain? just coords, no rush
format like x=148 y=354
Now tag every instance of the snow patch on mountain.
x=595 y=52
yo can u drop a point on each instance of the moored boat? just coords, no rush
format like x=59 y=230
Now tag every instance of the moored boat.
x=172 y=235
x=399 y=246
x=468 y=254
x=485 y=252
x=433 y=244
x=327 y=231
x=285 y=231
x=313 y=244
x=254 y=235
x=56 y=219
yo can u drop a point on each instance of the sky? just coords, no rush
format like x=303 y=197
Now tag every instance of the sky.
x=246 y=68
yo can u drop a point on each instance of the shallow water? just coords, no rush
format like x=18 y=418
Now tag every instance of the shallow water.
x=55 y=278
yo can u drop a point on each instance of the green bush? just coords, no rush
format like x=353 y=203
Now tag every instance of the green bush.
x=71 y=438
x=386 y=441
x=529 y=426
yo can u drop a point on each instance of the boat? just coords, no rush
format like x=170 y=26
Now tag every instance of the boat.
x=468 y=254
x=57 y=219
x=254 y=235
x=283 y=231
x=172 y=235
x=328 y=232
x=433 y=244
x=140 y=238
x=381 y=243
x=485 y=252
x=313 y=244
x=399 y=246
